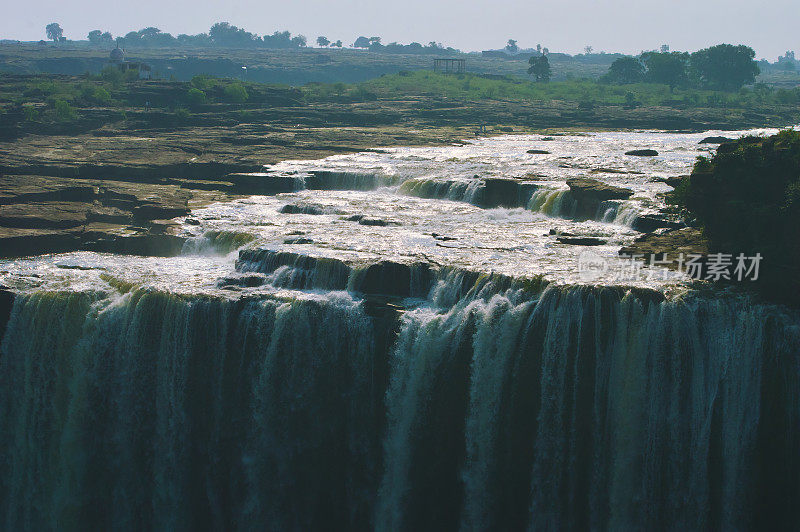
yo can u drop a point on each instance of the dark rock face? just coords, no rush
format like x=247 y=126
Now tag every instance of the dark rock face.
x=647 y=223
x=375 y=222
x=581 y=240
x=642 y=153
x=393 y=279
x=509 y=193
x=249 y=280
x=675 y=181
x=301 y=209
x=716 y=140
x=262 y=184
x=149 y=245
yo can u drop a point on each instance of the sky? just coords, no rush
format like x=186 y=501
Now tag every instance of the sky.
x=625 y=26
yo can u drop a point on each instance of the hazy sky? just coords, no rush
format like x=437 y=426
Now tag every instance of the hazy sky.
x=623 y=25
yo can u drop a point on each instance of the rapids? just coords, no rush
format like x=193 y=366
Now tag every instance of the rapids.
x=403 y=348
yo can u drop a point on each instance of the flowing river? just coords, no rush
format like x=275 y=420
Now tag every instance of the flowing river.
x=402 y=342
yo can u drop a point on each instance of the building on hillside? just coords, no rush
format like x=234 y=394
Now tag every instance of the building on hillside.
x=117 y=58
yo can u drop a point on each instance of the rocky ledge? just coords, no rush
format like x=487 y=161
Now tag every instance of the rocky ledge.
x=41 y=214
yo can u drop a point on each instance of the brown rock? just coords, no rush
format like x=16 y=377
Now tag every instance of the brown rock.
x=584 y=189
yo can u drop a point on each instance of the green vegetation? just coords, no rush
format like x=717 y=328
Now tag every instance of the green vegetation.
x=195 y=97
x=540 y=68
x=34 y=103
x=747 y=198
x=723 y=67
x=625 y=70
x=235 y=93
x=54 y=31
x=478 y=87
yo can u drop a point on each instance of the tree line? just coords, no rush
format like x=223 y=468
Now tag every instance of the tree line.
x=723 y=67
x=221 y=34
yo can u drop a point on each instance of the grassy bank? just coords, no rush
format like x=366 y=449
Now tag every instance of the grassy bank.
x=52 y=104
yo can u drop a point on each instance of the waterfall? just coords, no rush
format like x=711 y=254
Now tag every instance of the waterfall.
x=465 y=190
x=553 y=202
x=618 y=212
x=159 y=411
x=489 y=403
x=216 y=243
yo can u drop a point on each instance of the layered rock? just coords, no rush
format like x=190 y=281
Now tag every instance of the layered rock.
x=590 y=193
x=47 y=214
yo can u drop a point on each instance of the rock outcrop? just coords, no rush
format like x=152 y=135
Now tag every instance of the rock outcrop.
x=688 y=241
x=716 y=140
x=584 y=189
x=642 y=153
x=41 y=214
x=589 y=193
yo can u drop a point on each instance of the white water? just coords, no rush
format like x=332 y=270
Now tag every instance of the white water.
x=446 y=370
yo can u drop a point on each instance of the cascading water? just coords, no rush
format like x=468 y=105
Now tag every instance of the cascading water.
x=563 y=408
x=447 y=370
x=557 y=203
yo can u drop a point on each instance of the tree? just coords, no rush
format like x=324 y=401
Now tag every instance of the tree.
x=667 y=68
x=726 y=66
x=337 y=44
x=323 y=41
x=539 y=68
x=235 y=93
x=361 y=42
x=512 y=47
x=626 y=70
x=196 y=97
x=299 y=41
x=747 y=199
x=588 y=50
x=54 y=31
x=225 y=34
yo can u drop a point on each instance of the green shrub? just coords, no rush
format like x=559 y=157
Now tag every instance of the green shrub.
x=112 y=74
x=235 y=93
x=182 y=113
x=195 y=97
x=64 y=111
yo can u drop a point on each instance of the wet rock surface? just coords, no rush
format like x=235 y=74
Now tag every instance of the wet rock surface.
x=642 y=153
x=584 y=189
x=581 y=240
x=647 y=223
x=716 y=140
